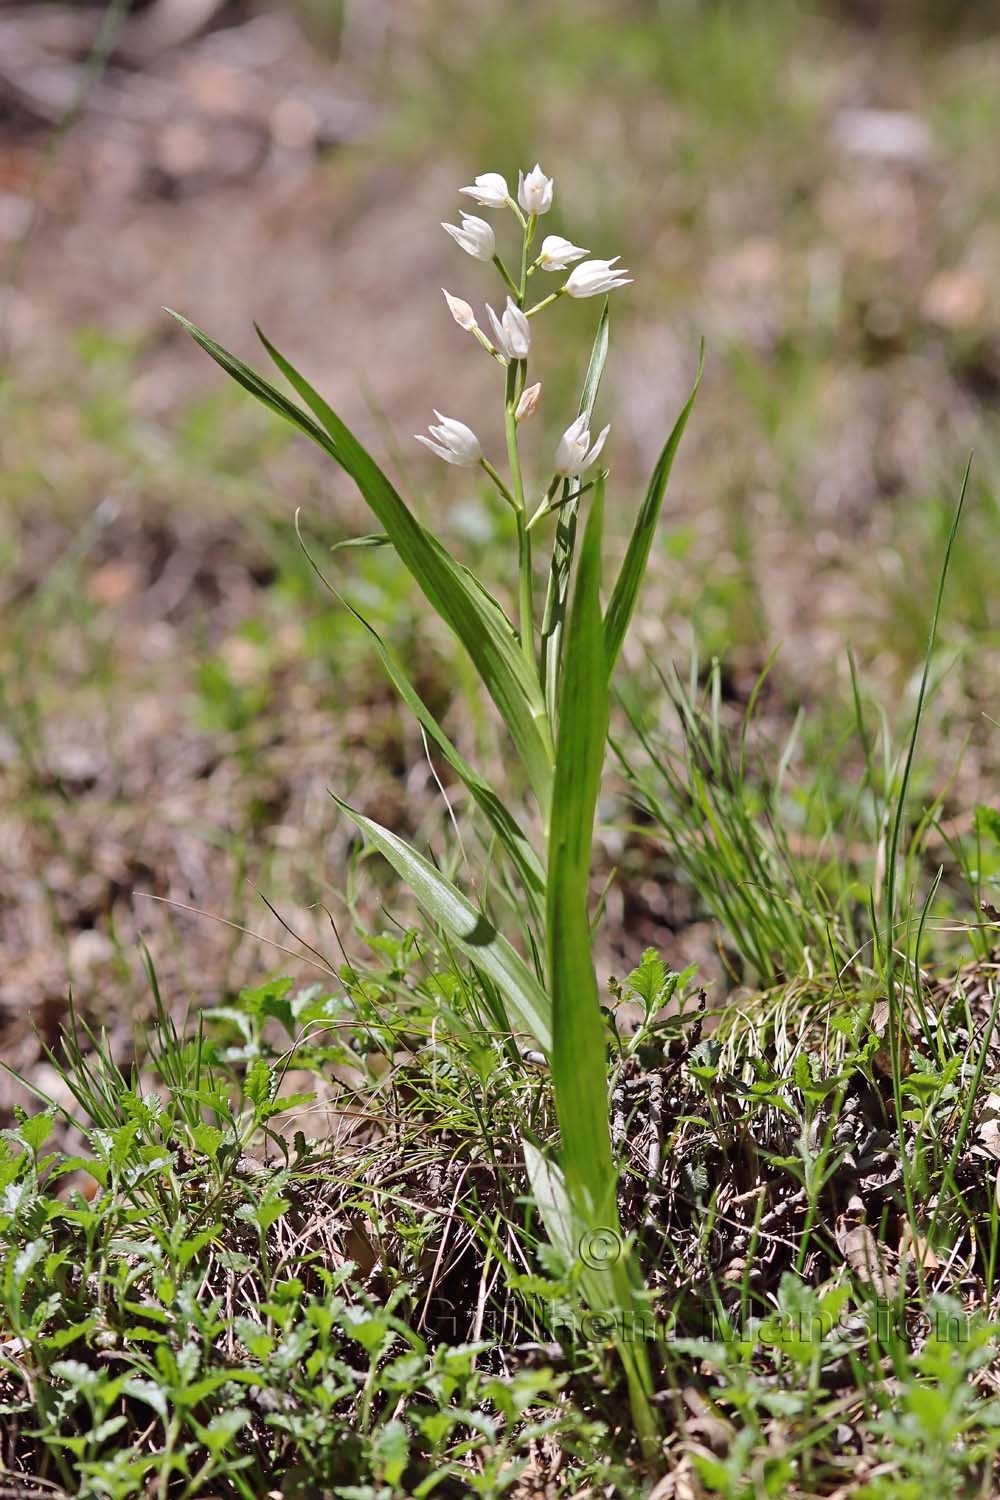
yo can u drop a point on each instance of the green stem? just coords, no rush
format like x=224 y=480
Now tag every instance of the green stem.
x=513 y=204
x=529 y=234
x=546 y=504
x=505 y=492
x=525 y=604
x=526 y=608
x=166 y=1458
x=494 y=353
x=545 y=302
x=511 y=283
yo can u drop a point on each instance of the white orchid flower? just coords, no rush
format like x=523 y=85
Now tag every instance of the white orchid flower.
x=556 y=253
x=574 y=453
x=528 y=404
x=460 y=311
x=596 y=276
x=534 y=191
x=512 y=332
x=490 y=189
x=452 y=441
x=475 y=237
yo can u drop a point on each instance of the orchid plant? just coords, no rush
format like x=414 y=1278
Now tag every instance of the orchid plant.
x=549 y=679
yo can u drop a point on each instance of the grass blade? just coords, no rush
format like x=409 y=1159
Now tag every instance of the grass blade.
x=626 y=590
x=899 y=812
x=898 y=815
x=470 y=930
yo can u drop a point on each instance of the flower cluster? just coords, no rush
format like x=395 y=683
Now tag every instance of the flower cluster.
x=508 y=337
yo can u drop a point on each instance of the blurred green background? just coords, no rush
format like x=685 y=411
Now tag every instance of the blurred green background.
x=810 y=188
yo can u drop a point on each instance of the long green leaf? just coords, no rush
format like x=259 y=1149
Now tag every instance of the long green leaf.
x=564 y=543
x=256 y=384
x=501 y=820
x=626 y=590
x=469 y=929
x=607 y=1289
x=459 y=598
x=579 y=1058
x=470 y=612
x=582 y=1197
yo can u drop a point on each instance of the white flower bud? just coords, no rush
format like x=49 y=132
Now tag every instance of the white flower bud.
x=475 y=237
x=534 y=192
x=460 y=311
x=455 y=443
x=556 y=253
x=574 y=453
x=512 y=332
x=596 y=276
x=489 y=189
x=528 y=404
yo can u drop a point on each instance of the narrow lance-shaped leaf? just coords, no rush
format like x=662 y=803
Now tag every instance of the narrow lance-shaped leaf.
x=266 y=393
x=469 y=929
x=581 y=1197
x=579 y=1058
x=470 y=612
x=607 y=1288
x=459 y=598
x=564 y=543
x=626 y=590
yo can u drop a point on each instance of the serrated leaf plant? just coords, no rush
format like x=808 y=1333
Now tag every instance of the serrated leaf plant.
x=548 y=676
